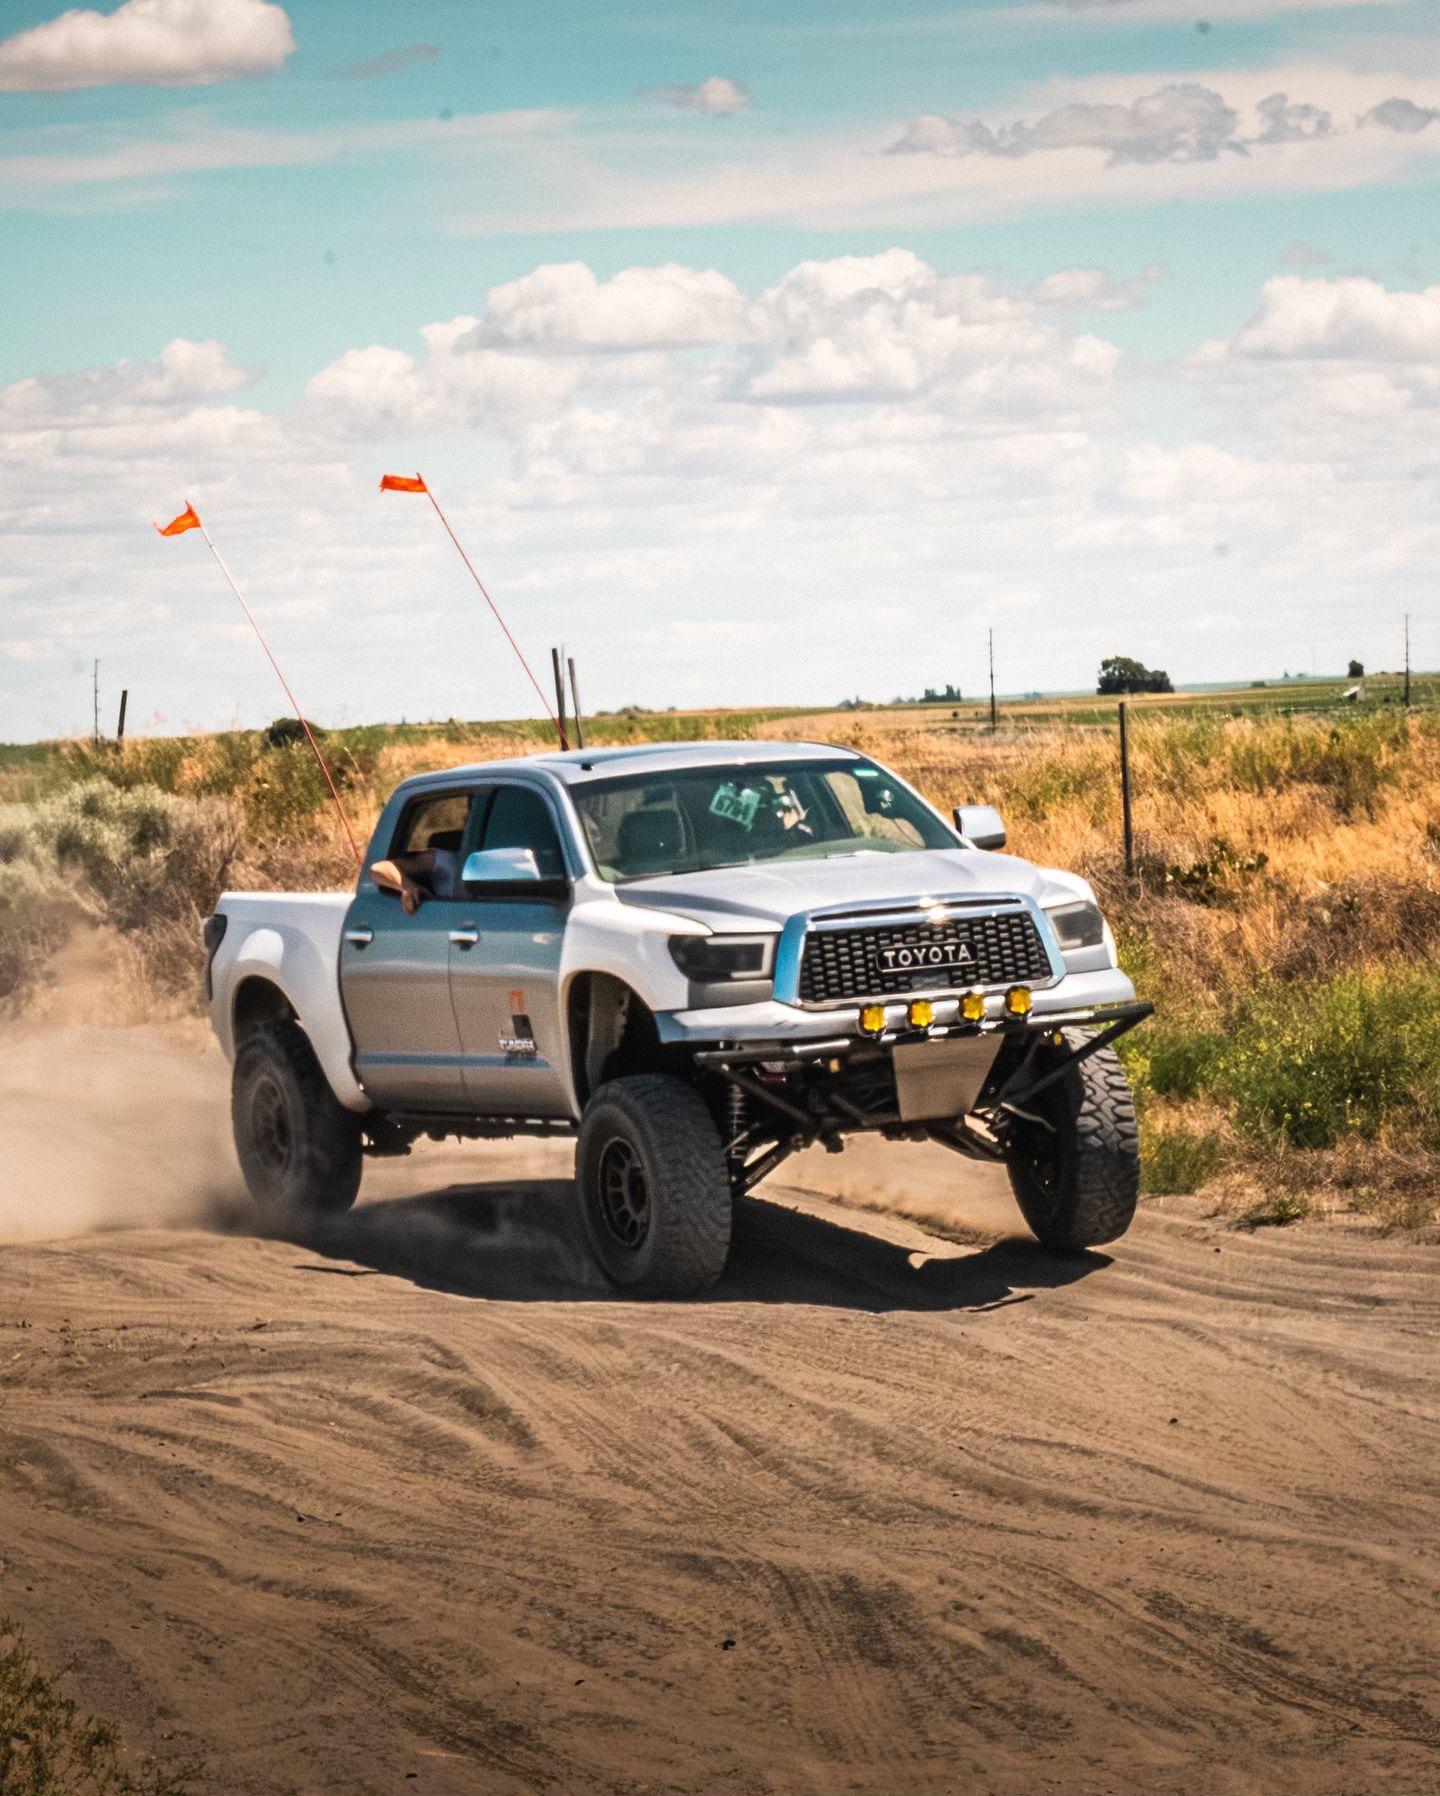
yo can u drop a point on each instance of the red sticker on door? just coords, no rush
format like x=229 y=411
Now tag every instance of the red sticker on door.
x=517 y=1001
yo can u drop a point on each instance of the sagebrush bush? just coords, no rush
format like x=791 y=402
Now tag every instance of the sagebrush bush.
x=137 y=859
x=48 y=1747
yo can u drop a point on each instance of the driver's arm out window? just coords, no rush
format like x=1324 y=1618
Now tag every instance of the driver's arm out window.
x=434 y=828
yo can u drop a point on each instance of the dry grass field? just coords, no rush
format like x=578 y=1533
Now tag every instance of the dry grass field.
x=1283 y=912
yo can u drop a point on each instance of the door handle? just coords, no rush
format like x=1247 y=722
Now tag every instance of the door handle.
x=361 y=936
x=466 y=937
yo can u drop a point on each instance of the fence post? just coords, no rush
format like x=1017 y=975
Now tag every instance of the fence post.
x=120 y=726
x=1125 y=791
x=575 y=703
x=559 y=696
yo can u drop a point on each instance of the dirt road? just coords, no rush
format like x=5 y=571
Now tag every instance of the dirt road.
x=417 y=1507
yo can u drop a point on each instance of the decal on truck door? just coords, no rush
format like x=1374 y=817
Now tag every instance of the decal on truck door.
x=519 y=1044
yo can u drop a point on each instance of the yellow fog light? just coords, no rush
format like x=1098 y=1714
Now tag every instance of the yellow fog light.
x=921 y=1013
x=972 y=1007
x=1018 y=1001
x=872 y=1019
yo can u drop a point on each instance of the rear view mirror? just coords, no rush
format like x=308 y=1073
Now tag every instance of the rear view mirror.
x=980 y=825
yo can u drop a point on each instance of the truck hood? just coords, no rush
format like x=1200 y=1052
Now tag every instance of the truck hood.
x=767 y=894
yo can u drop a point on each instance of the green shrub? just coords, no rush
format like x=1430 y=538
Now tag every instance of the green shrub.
x=1174 y=1160
x=1311 y=1062
x=1170 y=1056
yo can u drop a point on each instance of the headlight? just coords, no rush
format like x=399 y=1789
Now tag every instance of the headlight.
x=1078 y=925
x=706 y=958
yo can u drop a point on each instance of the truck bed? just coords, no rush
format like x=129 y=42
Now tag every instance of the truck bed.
x=293 y=939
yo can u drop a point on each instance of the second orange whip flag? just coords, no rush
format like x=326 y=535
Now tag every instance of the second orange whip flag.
x=415 y=483
x=189 y=519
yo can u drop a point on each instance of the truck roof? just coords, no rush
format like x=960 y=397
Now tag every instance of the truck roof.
x=578 y=765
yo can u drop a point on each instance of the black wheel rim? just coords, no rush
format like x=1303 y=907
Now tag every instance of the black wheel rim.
x=623 y=1194
x=270 y=1126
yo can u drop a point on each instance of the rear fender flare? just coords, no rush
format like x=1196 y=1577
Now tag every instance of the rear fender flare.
x=285 y=957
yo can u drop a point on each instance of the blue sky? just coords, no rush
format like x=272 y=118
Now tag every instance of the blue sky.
x=892 y=322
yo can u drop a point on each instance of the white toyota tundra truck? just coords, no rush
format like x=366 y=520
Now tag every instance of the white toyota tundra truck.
x=697 y=959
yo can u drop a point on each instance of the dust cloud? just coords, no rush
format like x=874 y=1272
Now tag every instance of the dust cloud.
x=110 y=1128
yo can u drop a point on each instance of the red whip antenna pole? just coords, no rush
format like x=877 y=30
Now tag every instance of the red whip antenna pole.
x=404 y=483
x=284 y=683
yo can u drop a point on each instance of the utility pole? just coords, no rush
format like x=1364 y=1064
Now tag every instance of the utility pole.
x=95 y=694
x=992 y=682
x=1407 y=660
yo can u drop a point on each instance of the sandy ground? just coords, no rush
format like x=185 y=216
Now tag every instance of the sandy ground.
x=415 y=1505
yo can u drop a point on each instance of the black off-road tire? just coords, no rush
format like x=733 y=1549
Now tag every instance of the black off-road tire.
x=1078 y=1186
x=300 y=1149
x=654 y=1192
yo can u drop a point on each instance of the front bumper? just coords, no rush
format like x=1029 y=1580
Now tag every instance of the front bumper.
x=774 y=1030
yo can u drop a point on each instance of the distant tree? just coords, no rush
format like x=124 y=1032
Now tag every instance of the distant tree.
x=1355 y=671
x=286 y=730
x=1121 y=673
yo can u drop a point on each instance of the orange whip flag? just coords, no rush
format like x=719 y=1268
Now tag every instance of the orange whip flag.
x=189 y=519
x=415 y=483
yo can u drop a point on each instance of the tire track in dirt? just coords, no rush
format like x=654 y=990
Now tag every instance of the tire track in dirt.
x=464 y=1515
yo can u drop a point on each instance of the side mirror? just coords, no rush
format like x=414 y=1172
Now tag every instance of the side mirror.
x=980 y=825
x=509 y=872
x=501 y=866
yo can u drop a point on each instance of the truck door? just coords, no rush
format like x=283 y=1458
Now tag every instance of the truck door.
x=505 y=970
x=395 y=970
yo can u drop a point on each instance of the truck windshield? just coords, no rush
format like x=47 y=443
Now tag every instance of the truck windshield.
x=643 y=825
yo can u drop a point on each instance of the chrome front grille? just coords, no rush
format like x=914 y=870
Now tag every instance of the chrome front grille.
x=956 y=953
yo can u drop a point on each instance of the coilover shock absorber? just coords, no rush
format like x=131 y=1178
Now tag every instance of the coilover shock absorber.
x=736 y=1121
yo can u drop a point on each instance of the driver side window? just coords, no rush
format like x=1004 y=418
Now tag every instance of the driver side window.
x=427 y=845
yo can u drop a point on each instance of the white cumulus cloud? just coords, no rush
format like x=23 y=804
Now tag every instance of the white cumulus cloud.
x=564 y=305
x=148 y=43
x=889 y=326
x=457 y=383
x=183 y=372
x=1353 y=318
